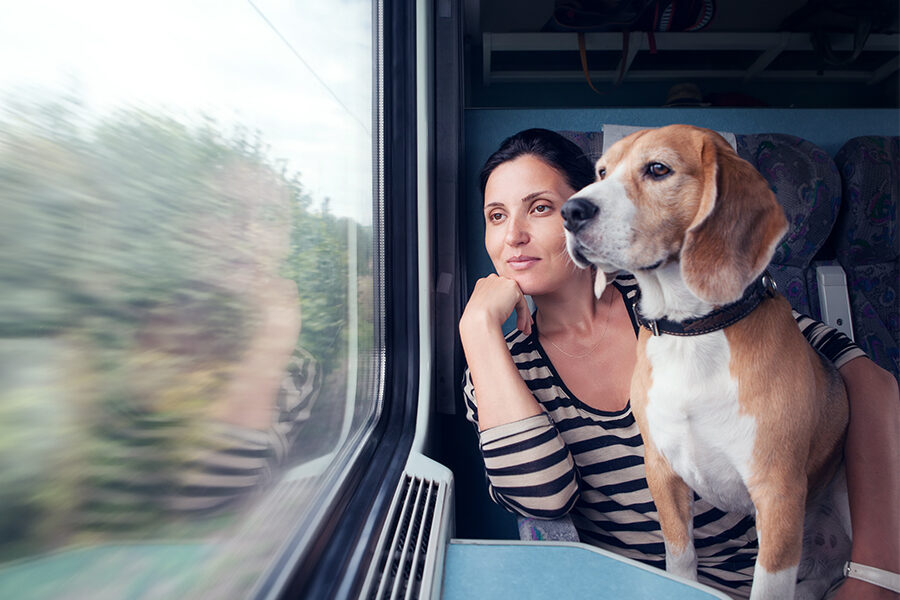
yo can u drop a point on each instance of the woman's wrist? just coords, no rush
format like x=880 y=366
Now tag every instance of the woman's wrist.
x=477 y=323
x=873 y=575
x=853 y=588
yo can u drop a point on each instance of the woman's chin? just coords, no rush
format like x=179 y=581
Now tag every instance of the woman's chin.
x=536 y=283
x=529 y=286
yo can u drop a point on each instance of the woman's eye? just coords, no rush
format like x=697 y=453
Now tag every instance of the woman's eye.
x=495 y=217
x=541 y=209
x=658 y=170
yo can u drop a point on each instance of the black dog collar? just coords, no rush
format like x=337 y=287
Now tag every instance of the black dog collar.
x=718 y=319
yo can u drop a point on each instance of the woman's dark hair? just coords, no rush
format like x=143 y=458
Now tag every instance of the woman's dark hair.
x=563 y=155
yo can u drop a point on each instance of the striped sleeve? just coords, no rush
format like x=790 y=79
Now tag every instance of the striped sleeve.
x=831 y=343
x=529 y=469
x=230 y=461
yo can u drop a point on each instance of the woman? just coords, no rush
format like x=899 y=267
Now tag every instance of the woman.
x=553 y=410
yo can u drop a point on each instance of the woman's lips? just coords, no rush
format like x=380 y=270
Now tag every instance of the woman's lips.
x=520 y=263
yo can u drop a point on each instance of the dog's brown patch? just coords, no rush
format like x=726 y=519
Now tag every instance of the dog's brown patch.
x=800 y=410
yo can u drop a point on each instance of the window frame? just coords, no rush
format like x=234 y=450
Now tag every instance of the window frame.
x=335 y=563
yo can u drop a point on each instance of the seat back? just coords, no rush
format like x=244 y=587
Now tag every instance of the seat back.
x=867 y=243
x=807 y=185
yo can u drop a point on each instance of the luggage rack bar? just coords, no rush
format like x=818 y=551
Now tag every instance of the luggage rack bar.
x=770 y=46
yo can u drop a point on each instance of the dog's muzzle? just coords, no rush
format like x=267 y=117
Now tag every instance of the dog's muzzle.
x=575 y=252
x=576 y=212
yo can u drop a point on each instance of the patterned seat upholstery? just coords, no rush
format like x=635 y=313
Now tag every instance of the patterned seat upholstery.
x=807 y=184
x=867 y=243
x=589 y=141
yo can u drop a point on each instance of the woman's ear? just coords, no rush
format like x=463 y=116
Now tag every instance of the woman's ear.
x=735 y=231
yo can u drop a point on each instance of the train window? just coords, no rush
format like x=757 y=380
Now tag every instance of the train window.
x=190 y=331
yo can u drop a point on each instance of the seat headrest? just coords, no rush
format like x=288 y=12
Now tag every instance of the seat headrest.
x=867 y=230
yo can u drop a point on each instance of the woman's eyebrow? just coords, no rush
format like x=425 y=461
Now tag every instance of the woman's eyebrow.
x=534 y=195
x=526 y=198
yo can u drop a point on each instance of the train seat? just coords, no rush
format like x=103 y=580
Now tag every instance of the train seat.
x=807 y=184
x=867 y=243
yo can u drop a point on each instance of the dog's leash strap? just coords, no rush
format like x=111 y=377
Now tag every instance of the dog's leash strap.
x=873 y=575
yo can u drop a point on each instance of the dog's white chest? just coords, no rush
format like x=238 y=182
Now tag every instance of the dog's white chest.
x=695 y=419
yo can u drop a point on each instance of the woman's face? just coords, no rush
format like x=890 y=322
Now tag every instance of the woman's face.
x=523 y=226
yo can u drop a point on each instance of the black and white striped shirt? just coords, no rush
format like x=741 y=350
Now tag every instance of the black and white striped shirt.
x=574 y=459
x=235 y=460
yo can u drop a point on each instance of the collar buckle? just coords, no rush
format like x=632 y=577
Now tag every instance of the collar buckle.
x=769 y=284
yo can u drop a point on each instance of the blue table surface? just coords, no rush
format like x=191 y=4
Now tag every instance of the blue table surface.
x=483 y=569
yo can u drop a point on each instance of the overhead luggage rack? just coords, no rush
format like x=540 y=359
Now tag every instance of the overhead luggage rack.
x=783 y=56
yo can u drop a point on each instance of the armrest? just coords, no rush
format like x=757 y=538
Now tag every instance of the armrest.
x=559 y=530
x=833 y=298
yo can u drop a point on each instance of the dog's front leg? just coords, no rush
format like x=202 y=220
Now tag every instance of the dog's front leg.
x=675 y=504
x=780 y=508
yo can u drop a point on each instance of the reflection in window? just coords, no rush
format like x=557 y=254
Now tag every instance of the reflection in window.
x=188 y=332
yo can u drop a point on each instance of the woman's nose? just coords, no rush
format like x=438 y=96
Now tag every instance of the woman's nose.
x=516 y=233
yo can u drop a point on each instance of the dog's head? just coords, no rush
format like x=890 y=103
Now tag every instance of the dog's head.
x=677 y=194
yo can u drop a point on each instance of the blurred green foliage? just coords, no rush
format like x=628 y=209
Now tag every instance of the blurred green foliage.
x=133 y=246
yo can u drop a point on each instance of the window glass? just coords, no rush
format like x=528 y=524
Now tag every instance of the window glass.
x=189 y=319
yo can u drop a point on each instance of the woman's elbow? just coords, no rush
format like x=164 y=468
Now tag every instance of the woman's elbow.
x=870 y=388
x=556 y=510
x=544 y=506
x=874 y=404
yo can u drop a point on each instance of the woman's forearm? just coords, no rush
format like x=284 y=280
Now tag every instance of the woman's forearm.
x=502 y=395
x=872 y=453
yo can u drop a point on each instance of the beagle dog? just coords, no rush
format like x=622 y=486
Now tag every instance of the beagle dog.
x=731 y=400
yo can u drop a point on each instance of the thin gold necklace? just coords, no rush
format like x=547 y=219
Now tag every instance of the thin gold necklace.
x=600 y=339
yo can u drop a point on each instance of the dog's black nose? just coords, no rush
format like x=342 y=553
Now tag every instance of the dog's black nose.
x=578 y=211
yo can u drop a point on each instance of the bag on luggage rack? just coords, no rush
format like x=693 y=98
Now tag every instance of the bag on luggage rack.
x=631 y=15
x=859 y=17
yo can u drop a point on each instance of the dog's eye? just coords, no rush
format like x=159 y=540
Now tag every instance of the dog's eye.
x=601 y=173
x=658 y=170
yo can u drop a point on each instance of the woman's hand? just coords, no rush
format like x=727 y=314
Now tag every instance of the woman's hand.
x=492 y=301
x=503 y=396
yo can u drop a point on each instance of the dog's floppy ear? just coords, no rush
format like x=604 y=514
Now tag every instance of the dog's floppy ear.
x=734 y=233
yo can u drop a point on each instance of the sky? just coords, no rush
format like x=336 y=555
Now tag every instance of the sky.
x=309 y=94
